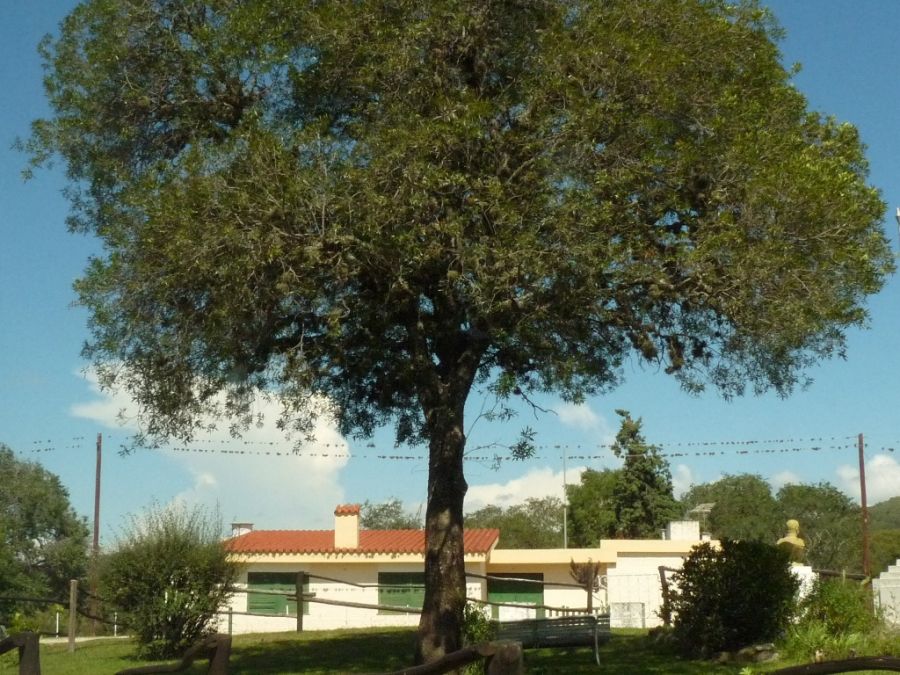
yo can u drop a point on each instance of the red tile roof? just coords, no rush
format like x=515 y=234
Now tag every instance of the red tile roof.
x=347 y=510
x=370 y=541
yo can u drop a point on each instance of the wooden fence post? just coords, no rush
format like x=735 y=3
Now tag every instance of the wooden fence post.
x=506 y=660
x=29 y=655
x=299 y=584
x=27 y=644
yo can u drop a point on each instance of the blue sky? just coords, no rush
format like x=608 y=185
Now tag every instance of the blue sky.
x=51 y=412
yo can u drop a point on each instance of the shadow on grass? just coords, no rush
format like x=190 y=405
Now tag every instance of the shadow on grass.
x=624 y=653
x=324 y=652
x=392 y=649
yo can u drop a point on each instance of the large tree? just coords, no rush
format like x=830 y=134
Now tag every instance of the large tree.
x=386 y=202
x=642 y=496
x=743 y=508
x=591 y=508
x=536 y=523
x=830 y=524
x=43 y=542
x=885 y=515
x=388 y=515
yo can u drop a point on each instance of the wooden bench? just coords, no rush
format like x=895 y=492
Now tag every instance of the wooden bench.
x=29 y=656
x=216 y=648
x=565 y=631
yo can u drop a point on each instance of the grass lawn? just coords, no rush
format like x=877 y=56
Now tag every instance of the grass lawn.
x=363 y=651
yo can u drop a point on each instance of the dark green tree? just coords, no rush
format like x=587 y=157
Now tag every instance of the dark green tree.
x=642 y=495
x=744 y=508
x=170 y=573
x=388 y=515
x=386 y=203
x=830 y=524
x=536 y=523
x=43 y=542
x=592 y=512
x=885 y=515
x=885 y=550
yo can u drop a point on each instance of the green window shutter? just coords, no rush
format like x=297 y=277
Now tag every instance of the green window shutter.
x=282 y=582
x=401 y=589
x=509 y=589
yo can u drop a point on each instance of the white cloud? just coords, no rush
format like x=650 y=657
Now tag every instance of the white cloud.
x=538 y=483
x=682 y=479
x=272 y=490
x=882 y=479
x=580 y=416
x=782 y=478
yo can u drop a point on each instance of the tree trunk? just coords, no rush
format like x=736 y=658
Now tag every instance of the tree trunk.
x=440 y=626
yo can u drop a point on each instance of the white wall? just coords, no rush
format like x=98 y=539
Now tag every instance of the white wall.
x=635 y=579
x=325 y=616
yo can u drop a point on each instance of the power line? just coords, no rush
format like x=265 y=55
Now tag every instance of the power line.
x=544 y=451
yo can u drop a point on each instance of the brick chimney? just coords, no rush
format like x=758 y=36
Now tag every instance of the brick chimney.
x=346 y=526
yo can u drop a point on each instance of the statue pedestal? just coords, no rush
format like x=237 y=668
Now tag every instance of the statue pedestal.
x=806 y=576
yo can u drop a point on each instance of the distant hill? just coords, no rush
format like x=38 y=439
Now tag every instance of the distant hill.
x=885 y=515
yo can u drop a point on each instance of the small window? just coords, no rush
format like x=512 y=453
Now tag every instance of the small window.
x=271 y=602
x=401 y=589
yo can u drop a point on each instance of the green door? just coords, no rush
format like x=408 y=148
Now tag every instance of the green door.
x=519 y=589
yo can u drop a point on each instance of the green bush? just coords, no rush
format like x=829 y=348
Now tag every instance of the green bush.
x=170 y=574
x=477 y=626
x=835 y=621
x=808 y=639
x=841 y=606
x=727 y=598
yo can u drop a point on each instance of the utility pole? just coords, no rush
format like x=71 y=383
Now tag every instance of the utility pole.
x=862 y=499
x=96 y=547
x=95 y=550
x=565 y=504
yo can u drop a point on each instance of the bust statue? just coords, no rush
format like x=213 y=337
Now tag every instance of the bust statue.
x=792 y=543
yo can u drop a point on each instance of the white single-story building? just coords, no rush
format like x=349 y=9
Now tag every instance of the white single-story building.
x=355 y=577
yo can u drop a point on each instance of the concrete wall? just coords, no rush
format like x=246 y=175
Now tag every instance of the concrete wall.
x=886 y=589
x=683 y=530
x=635 y=579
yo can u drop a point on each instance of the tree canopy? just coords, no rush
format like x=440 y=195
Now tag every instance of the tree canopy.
x=43 y=542
x=830 y=524
x=642 y=495
x=388 y=515
x=743 y=508
x=383 y=203
x=885 y=515
x=635 y=501
x=885 y=550
x=536 y=523
x=592 y=513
